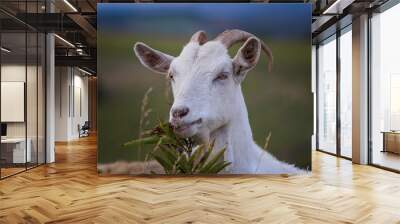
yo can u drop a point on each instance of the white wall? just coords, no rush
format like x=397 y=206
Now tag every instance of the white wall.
x=16 y=73
x=12 y=101
x=33 y=126
x=80 y=110
x=71 y=93
x=12 y=73
x=62 y=81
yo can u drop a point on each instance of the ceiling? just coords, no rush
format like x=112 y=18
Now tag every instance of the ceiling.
x=75 y=22
x=72 y=20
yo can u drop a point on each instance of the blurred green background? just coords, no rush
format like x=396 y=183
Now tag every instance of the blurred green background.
x=279 y=102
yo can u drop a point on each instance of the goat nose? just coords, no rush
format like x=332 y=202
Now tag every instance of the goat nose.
x=180 y=112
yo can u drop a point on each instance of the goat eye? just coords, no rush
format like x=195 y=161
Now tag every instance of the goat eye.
x=221 y=76
x=170 y=77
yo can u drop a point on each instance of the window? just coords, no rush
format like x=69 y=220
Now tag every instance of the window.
x=394 y=102
x=346 y=93
x=385 y=89
x=22 y=77
x=327 y=96
x=334 y=106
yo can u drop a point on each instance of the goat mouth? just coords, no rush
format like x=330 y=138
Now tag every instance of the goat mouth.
x=185 y=126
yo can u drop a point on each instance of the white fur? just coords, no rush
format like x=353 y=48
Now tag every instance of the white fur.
x=221 y=106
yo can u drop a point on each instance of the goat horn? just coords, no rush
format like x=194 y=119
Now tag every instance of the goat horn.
x=231 y=37
x=200 y=37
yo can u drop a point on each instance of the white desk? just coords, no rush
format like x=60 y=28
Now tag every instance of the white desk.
x=19 y=155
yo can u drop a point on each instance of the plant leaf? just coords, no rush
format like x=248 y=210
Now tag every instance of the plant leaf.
x=217 y=158
x=145 y=141
x=195 y=156
x=183 y=164
x=164 y=163
x=180 y=155
x=203 y=159
x=219 y=167
x=170 y=154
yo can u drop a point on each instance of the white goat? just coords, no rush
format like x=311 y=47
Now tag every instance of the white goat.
x=208 y=100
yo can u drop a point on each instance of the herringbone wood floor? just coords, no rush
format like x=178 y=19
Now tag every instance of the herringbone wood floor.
x=70 y=191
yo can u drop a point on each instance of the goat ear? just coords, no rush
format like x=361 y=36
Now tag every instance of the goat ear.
x=153 y=59
x=199 y=37
x=246 y=58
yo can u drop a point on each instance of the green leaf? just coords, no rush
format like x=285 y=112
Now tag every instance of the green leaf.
x=218 y=157
x=183 y=164
x=205 y=156
x=203 y=160
x=163 y=162
x=170 y=154
x=179 y=155
x=195 y=156
x=218 y=167
x=147 y=141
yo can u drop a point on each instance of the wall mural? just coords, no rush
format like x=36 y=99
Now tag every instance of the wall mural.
x=204 y=89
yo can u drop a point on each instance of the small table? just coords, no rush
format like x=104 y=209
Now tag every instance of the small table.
x=391 y=141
